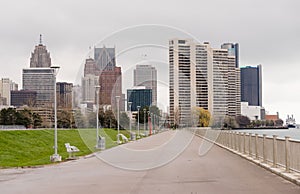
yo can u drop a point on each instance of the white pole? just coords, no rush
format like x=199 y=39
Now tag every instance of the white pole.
x=118 y=115
x=138 y=107
x=130 y=116
x=97 y=115
x=55 y=157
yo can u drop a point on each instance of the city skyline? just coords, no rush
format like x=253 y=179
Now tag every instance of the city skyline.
x=268 y=37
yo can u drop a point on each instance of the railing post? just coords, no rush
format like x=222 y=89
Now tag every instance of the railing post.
x=264 y=149
x=256 y=146
x=235 y=140
x=244 y=143
x=250 y=144
x=275 y=151
x=240 y=142
x=287 y=154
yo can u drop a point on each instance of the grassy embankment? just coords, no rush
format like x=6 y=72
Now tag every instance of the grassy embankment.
x=34 y=147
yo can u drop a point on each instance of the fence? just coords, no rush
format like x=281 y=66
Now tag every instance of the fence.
x=277 y=152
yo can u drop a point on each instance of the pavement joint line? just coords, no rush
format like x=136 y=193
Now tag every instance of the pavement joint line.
x=292 y=177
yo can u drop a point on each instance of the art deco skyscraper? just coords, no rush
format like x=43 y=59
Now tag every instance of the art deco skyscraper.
x=40 y=77
x=146 y=75
x=40 y=56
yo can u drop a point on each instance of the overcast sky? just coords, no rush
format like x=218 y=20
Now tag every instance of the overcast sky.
x=267 y=31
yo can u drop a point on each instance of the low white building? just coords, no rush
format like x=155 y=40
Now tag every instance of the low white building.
x=252 y=112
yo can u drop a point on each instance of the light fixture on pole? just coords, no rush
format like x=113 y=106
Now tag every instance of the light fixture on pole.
x=55 y=157
x=97 y=115
x=118 y=115
x=130 y=116
x=138 y=107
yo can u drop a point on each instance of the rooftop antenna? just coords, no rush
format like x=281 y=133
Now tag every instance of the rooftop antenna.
x=41 y=42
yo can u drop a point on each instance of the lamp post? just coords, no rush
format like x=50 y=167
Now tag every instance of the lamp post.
x=138 y=107
x=154 y=123
x=144 y=121
x=129 y=104
x=97 y=115
x=150 y=132
x=55 y=157
x=118 y=138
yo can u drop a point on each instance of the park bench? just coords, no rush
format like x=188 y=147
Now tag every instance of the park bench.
x=124 y=138
x=71 y=150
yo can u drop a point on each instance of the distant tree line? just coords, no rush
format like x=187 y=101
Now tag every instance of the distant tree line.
x=245 y=122
x=26 y=117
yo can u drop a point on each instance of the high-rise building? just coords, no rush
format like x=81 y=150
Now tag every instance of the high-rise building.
x=201 y=76
x=111 y=86
x=139 y=96
x=6 y=86
x=64 y=95
x=233 y=50
x=105 y=58
x=40 y=56
x=109 y=75
x=89 y=83
x=42 y=81
x=146 y=75
x=90 y=67
x=251 y=85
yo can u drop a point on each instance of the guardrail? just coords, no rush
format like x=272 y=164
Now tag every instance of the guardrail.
x=271 y=150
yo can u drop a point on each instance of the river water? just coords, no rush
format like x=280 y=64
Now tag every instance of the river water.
x=293 y=133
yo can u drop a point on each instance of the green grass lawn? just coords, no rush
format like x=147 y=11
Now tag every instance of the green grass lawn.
x=34 y=147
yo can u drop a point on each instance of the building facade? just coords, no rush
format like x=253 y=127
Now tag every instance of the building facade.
x=139 y=96
x=42 y=81
x=23 y=97
x=6 y=86
x=201 y=76
x=146 y=75
x=251 y=85
x=89 y=83
x=40 y=58
x=233 y=50
x=64 y=95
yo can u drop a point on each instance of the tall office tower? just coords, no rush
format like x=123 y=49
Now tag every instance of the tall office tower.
x=64 y=95
x=111 y=86
x=146 y=75
x=40 y=56
x=105 y=58
x=139 y=96
x=201 y=76
x=89 y=83
x=233 y=50
x=42 y=81
x=90 y=67
x=251 y=85
x=6 y=86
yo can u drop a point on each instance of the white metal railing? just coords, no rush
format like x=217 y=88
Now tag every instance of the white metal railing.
x=277 y=152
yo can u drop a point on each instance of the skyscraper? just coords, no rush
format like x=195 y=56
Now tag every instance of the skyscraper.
x=233 y=50
x=201 y=76
x=89 y=83
x=40 y=56
x=105 y=58
x=139 y=96
x=251 y=85
x=40 y=77
x=64 y=95
x=146 y=75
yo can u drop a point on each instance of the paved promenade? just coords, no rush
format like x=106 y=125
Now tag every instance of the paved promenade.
x=219 y=171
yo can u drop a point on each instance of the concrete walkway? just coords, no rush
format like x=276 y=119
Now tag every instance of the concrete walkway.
x=219 y=171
